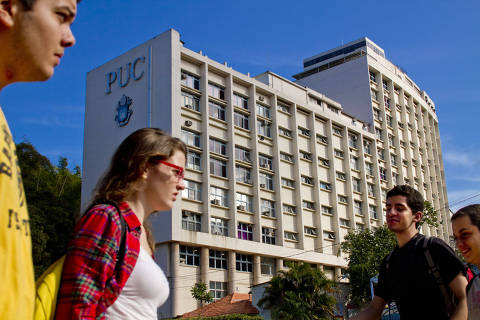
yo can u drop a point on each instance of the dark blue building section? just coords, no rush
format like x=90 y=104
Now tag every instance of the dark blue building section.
x=330 y=55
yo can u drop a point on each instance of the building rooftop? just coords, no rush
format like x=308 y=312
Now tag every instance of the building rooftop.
x=234 y=303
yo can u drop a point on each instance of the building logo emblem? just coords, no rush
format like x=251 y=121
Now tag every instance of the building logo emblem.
x=123 y=111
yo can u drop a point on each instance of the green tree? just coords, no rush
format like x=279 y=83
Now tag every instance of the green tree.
x=301 y=293
x=365 y=251
x=200 y=293
x=53 y=200
x=430 y=216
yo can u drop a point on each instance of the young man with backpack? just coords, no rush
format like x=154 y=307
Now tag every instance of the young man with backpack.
x=33 y=37
x=466 y=229
x=423 y=276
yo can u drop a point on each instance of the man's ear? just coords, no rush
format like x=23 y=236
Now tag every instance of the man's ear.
x=7 y=11
x=418 y=216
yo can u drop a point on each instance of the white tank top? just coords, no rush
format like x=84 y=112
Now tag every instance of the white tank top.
x=146 y=290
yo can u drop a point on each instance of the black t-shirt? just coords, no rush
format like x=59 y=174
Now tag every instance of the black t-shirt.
x=409 y=284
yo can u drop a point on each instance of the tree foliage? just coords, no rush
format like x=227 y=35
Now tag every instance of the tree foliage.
x=365 y=250
x=53 y=200
x=430 y=216
x=301 y=293
x=200 y=293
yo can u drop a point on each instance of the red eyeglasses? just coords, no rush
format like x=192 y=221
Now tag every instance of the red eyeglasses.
x=179 y=173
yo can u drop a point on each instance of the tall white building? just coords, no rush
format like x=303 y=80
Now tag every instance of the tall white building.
x=276 y=171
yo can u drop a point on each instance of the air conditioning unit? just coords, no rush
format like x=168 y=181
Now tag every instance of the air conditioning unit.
x=215 y=201
x=331 y=236
x=266 y=213
x=262 y=185
x=325 y=163
x=314 y=232
x=216 y=230
x=261 y=98
x=188 y=123
x=240 y=207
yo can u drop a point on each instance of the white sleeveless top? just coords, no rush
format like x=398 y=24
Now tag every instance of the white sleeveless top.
x=146 y=290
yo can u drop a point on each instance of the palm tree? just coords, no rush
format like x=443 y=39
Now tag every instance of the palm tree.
x=301 y=293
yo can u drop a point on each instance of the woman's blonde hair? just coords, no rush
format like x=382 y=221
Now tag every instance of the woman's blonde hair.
x=129 y=162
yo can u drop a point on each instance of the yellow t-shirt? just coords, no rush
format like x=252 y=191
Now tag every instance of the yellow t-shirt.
x=17 y=285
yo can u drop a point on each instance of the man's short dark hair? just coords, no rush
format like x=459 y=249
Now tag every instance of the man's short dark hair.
x=472 y=211
x=28 y=4
x=414 y=198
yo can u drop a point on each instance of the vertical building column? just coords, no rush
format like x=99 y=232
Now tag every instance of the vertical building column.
x=174 y=285
x=278 y=264
x=256 y=269
x=204 y=265
x=337 y=274
x=231 y=272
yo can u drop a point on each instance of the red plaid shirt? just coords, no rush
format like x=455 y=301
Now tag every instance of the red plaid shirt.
x=89 y=285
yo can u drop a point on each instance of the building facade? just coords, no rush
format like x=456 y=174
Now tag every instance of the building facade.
x=276 y=171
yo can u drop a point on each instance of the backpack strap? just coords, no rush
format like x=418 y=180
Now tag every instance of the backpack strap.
x=123 y=229
x=433 y=270
x=470 y=283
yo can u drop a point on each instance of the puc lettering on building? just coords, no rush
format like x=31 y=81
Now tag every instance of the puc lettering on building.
x=123 y=74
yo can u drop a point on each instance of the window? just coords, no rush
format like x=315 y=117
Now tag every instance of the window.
x=194 y=160
x=324 y=162
x=286 y=157
x=191 y=138
x=189 y=256
x=218 y=259
x=325 y=185
x=371 y=190
x=241 y=120
x=338 y=153
x=218 y=289
x=242 y=154
x=391 y=140
x=245 y=231
x=372 y=77
x=369 y=168
x=284 y=108
x=381 y=154
x=372 y=210
x=216 y=111
x=284 y=132
x=327 y=210
x=266 y=180
x=263 y=128
x=265 y=162
x=389 y=120
x=304 y=131
x=263 y=111
x=357 y=208
x=310 y=231
x=340 y=175
x=402 y=144
x=356 y=184
x=244 y=202
x=218 y=167
x=192 y=191
x=306 y=180
x=242 y=174
x=383 y=173
x=244 y=262
x=291 y=236
x=329 y=235
x=384 y=84
x=338 y=131
x=268 y=235
x=354 y=162
x=378 y=133
x=306 y=155
x=190 y=101
x=190 y=80
x=216 y=91
x=377 y=115
x=218 y=196
x=342 y=199
x=395 y=179
x=345 y=222
x=288 y=183
x=322 y=139
x=387 y=102
x=218 y=146
x=367 y=147
x=374 y=95
x=308 y=205
x=219 y=226
x=352 y=140
x=289 y=209
x=393 y=158
x=360 y=226
x=267 y=208
x=332 y=108
x=267 y=266
x=240 y=101
x=191 y=221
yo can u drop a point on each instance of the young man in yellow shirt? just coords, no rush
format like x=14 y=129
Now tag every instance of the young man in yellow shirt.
x=33 y=37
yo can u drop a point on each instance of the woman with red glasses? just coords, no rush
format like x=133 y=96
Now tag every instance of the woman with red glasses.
x=109 y=272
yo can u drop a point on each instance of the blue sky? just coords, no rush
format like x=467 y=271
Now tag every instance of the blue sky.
x=436 y=42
